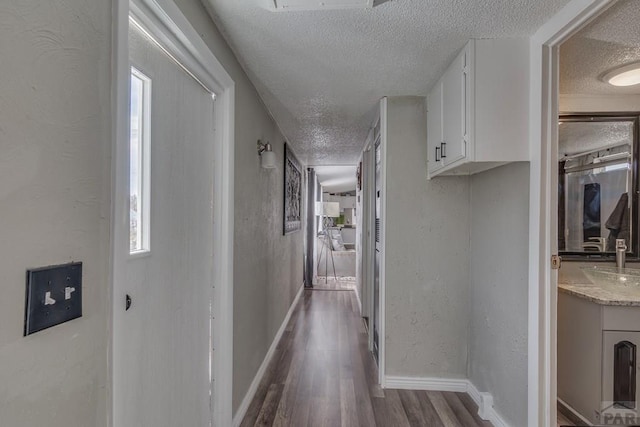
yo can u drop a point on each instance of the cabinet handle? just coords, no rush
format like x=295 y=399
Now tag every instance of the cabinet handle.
x=443 y=148
x=437 y=150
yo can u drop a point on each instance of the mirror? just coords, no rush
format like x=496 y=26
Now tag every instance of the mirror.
x=597 y=184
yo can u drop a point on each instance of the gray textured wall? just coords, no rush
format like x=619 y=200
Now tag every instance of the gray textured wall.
x=499 y=288
x=427 y=254
x=55 y=136
x=268 y=266
x=54 y=204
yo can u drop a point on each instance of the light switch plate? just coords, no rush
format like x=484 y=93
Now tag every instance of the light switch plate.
x=54 y=296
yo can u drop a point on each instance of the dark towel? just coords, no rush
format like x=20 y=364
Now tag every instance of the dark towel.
x=618 y=223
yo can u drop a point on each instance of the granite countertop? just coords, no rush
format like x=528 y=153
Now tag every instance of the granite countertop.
x=618 y=295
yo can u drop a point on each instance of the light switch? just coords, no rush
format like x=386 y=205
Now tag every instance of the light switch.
x=54 y=296
x=48 y=300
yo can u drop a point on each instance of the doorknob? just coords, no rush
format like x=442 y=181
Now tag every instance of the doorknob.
x=127 y=304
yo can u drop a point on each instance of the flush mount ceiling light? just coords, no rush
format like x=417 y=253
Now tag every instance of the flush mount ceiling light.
x=294 y=5
x=628 y=75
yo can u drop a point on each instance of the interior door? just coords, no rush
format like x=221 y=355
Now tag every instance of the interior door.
x=368 y=216
x=378 y=245
x=363 y=243
x=162 y=342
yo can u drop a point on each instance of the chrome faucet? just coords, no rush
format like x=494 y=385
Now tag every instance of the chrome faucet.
x=621 y=252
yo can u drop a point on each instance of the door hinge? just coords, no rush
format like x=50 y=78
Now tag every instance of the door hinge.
x=556 y=262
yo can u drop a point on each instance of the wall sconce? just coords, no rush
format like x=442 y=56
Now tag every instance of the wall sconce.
x=267 y=156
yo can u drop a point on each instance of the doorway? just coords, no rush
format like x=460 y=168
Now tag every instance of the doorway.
x=172 y=225
x=597 y=218
x=377 y=222
x=337 y=227
x=543 y=242
x=370 y=238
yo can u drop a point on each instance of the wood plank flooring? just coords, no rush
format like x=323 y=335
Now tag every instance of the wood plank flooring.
x=342 y=284
x=322 y=374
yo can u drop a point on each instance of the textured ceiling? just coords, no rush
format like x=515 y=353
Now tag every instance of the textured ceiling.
x=610 y=41
x=337 y=179
x=321 y=73
x=579 y=137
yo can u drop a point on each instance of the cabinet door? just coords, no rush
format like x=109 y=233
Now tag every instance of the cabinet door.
x=454 y=111
x=620 y=376
x=434 y=128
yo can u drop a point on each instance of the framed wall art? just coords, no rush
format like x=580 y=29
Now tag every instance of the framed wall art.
x=292 y=192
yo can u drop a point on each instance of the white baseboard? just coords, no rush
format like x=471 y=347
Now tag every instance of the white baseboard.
x=486 y=411
x=575 y=413
x=358 y=298
x=431 y=384
x=473 y=392
x=244 y=406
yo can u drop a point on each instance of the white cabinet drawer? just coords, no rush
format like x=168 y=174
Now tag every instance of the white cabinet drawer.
x=617 y=318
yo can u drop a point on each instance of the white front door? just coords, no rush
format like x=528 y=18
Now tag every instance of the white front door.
x=162 y=343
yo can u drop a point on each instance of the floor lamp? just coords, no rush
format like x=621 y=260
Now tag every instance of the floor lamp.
x=327 y=210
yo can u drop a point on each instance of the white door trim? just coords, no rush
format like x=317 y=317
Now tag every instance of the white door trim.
x=382 y=342
x=166 y=23
x=543 y=139
x=368 y=199
x=371 y=244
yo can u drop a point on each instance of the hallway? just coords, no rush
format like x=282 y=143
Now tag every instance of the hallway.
x=323 y=374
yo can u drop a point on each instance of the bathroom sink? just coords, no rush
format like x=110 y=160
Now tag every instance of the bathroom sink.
x=612 y=275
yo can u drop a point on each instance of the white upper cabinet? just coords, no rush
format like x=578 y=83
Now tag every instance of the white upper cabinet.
x=453 y=108
x=477 y=112
x=434 y=127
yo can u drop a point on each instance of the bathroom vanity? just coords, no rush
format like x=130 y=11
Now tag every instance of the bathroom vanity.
x=598 y=341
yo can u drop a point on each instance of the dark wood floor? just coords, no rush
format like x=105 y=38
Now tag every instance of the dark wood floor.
x=323 y=375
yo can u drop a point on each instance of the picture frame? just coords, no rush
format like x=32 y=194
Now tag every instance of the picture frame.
x=292 y=212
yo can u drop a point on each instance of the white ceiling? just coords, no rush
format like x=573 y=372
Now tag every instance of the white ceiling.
x=321 y=73
x=610 y=41
x=337 y=179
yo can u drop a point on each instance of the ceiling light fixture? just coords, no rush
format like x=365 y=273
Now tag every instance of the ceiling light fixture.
x=627 y=75
x=295 y=5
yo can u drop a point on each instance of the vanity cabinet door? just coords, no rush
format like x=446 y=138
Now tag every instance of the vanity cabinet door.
x=624 y=374
x=620 y=376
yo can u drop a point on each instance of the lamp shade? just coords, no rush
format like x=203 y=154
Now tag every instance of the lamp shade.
x=268 y=160
x=331 y=209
